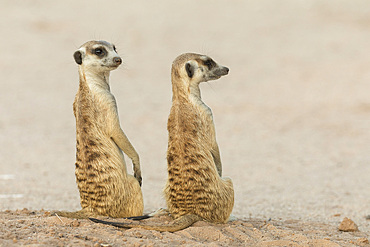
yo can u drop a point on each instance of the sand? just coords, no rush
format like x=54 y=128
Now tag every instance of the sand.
x=292 y=117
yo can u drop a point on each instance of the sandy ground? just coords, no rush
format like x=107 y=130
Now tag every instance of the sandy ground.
x=292 y=117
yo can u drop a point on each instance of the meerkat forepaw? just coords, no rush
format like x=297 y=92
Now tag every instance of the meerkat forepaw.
x=137 y=171
x=138 y=178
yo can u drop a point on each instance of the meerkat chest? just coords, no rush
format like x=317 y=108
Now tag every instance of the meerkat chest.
x=96 y=109
x=201 y=107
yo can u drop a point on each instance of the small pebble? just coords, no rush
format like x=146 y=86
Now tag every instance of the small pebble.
x=348 y=225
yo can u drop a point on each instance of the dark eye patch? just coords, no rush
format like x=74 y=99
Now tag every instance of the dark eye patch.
x=209 y=63
x=100 y=51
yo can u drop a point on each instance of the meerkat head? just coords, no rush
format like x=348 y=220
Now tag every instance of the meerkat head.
x=100 y=56
x=201 y=68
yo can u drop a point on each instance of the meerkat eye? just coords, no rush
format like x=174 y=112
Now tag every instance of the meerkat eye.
x=209 y=63
x=99 y=52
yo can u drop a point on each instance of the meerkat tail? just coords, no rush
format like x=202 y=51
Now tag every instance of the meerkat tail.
x=85 y=215
x=81 y=214
x=143 y=217
x=175 y=225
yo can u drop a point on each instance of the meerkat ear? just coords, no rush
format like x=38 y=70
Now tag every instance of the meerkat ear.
x=78 y=57
x=189 y=69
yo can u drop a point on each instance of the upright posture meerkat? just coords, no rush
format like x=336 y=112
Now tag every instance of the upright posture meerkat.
x=195 y=189
x=101 y=174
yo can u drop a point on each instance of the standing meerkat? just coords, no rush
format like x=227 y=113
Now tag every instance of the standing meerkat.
x=101 y=175
x=195 y=189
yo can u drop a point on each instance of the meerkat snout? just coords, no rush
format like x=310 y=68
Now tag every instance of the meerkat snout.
x=117 y=60
x=223 y=71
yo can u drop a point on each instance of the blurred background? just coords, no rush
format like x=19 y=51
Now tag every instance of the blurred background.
x=292 y=117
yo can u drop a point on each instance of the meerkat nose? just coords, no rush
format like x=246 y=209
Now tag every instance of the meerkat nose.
x=227 y=70
x=117 y=60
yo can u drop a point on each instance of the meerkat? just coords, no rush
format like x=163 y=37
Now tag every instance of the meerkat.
x=106 y=189
x=195 y=189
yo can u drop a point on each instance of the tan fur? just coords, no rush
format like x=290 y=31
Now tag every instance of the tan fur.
x=101 y=175
x=194 y=184
x=195 y=189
